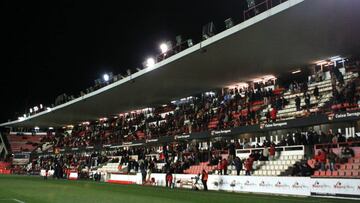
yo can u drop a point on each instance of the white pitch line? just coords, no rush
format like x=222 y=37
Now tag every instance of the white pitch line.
x=18 y=201
x=15 y=200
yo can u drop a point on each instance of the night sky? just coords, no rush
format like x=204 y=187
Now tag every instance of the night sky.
x=55 y=47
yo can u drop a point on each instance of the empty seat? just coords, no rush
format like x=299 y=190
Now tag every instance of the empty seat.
x=356 y=166
x=355 y=173
x=328 y=173
x=348 y=166
x=335 y=173
x=348 y=173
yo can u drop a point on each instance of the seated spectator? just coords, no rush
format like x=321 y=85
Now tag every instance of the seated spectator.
x=346 y=153
x=320 y=159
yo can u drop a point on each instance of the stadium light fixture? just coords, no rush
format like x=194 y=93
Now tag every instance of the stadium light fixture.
x=150 y=62
x=229 y=23
x=106 y=77
x=190 y=43
x=164 y=48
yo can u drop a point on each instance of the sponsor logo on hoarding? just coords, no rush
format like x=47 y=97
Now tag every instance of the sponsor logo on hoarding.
x=339 y=185
x=263 y=184
x=298 y=185
x=248 y=183
x=318 y=185
x=281 y=185
x=233 y=183
x=217 y=132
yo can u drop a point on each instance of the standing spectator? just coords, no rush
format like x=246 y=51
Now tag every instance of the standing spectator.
x=248 y=166
x=169 y=179
x=204 y=178
x=316 y=92
x=272 y=151
x=298 y=103
x=273 y=114
x=265 y=154
x=224 y=164
x=238 y=165
x=332 y=160
x=307 y=102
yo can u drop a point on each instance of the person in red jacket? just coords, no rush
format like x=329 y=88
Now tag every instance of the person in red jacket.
x=273 y=114
x=169 y=179
x=272 y=151
x=321 y=159
x=224 y=165
x=248 y=166
x=204 y=179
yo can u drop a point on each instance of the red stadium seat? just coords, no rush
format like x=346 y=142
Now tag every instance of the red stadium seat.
x=341 y=173
x=348 y=166
x=328 y=173
x=335 y=173
x=348 y=173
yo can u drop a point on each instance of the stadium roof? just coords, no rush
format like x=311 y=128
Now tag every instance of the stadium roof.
x=290 y=35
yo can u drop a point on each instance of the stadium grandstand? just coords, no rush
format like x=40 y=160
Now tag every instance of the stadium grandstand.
x=270 y=105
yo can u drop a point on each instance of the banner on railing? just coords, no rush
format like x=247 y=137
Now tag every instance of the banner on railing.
x=335 y=186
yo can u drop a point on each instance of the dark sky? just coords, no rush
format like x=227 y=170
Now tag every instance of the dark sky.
x=55 y=47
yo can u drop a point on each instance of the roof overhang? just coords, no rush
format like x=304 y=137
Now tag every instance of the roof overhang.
x=290 y=35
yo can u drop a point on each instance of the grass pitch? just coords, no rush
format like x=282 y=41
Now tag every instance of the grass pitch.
x=24 y=189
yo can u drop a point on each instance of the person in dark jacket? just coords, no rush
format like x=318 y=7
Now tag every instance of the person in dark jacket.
x=298 y=103
x=316 y=92
x=238 y=165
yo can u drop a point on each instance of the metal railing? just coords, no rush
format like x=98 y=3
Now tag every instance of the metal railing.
x=261 y=7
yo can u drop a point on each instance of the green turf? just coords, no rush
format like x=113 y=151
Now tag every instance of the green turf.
x=37 y=190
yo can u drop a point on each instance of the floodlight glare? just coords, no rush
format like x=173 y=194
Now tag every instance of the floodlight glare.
x=150 y=62
x=164 y=48
x=106 y=77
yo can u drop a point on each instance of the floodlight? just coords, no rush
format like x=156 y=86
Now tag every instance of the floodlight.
x=150 y=62
x=164 y=48
x=229 y=23
x=190 y=43
x=106 y=77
